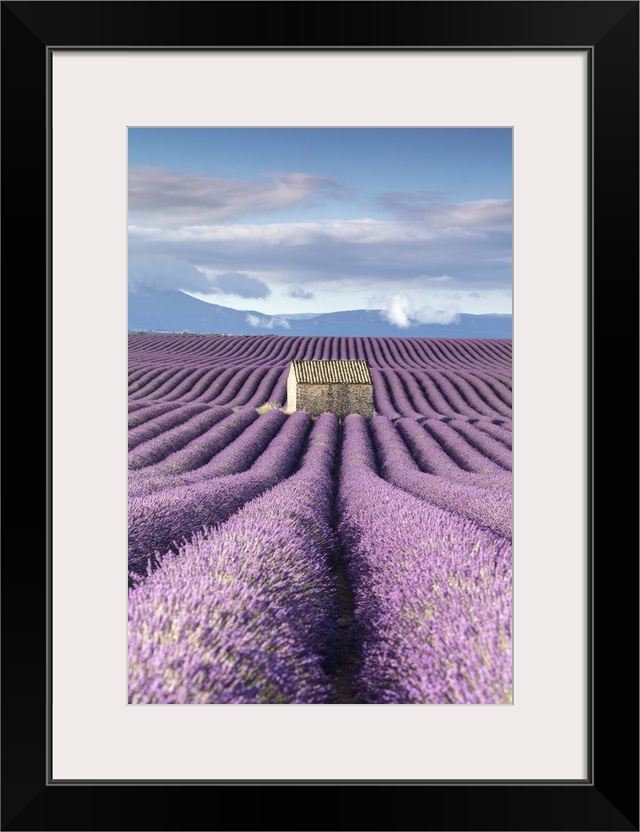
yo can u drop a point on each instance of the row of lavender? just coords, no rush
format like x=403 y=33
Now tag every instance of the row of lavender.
x=397 y=393
x=410 y=377
x=248 y=611
x=175 y=440
x=242 y=526
x=193 y=466
x=245 y=613
x=271 y=351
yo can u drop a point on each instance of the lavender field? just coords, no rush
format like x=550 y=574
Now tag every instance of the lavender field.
x=277 y=558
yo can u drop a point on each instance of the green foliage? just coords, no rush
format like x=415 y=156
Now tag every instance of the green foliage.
x=269 y=406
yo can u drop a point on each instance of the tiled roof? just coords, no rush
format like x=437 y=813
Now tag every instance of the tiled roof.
x=331 y=372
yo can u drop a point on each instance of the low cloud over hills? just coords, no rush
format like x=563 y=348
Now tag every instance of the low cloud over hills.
x=174 y=311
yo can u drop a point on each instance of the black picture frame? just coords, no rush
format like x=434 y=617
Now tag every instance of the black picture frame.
x=608 y=798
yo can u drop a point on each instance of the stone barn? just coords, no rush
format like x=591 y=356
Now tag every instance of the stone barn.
x=339 y=387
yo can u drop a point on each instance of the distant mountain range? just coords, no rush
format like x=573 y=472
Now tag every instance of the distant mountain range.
x=174 y=311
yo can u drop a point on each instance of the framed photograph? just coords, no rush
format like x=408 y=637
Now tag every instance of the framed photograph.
x=563 y=77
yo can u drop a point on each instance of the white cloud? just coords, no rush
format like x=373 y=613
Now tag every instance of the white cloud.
x=482 y=214
x=172 y=198
x=165 y=272
x=268 y=323
x=398 y=309
x=357 y=232
x=440 y=278
x=300 y=293
x=401 y=312
x=392 y=256
x=240 y=285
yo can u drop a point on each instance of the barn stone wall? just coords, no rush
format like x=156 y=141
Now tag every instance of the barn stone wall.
x=340 y=399
x=291 y=391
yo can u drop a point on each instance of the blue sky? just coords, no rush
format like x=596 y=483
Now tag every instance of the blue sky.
x=415 y=221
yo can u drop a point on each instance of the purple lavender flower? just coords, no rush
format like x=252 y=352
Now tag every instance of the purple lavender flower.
x=245 y=613
x=432 y=591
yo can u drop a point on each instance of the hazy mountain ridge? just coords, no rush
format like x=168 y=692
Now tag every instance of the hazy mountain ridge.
x=174 y=311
